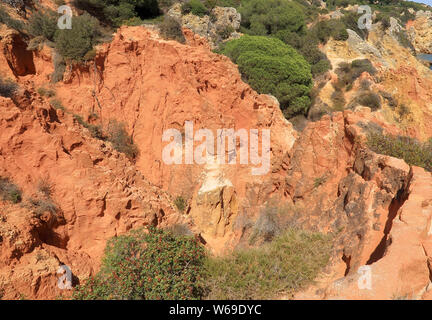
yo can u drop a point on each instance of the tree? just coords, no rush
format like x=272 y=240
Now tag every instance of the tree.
x=74 y=43
x=270 y=16
x=273 y=67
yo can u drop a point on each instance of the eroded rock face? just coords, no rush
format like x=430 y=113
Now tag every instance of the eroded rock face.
x=420 y=32
x=376 y=206
x=98 y=192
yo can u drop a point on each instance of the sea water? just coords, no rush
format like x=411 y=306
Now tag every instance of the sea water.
x=425 y=56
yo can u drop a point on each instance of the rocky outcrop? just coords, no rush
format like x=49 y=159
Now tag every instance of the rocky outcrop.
x=325 y=178
x=98 y=194
x=420 y=32
x=220 y=25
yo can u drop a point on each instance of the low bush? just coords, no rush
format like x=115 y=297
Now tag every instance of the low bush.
x=45 y=187
x=414 y=153
x=95 y=130
x=75 y=43
x=150 y=264
x=195 y=7
x=180 y=203
x=43 y=205
x=8 y=88
x=6 y=19
x=349 y=72
x=121 y=141
x=291 y=261
x=46 y=92
x=9 y=191
x=307 y=45
x=56 y=104
x=338 y=99
x=171 y=29
x=369 y=99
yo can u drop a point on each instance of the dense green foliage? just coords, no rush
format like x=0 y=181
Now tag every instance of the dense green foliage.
x=195 y=7
x=43 y=24
x=291 y=261
x=116 y=12
x=272 y=67
x=412 y=151
x=148 y=265
x=268 y=17
x=74 y=43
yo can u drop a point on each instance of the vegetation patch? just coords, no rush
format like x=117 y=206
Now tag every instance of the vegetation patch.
x=291 y=261
x=195 y=7
x=9 y=191
x=272 y=67
x=150 y=264
x=180 y=203
x=414 y=152
x=171 y=29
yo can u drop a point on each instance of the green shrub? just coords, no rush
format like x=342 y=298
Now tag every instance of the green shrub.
x=8 y=88
x=9 y=191
x=43 y=24
x=307 y=45
x=149 y=265
x=291 y=261
x=170 y=29
x=272 y=67
x=180 y=203
x=195 y=7
x=74 y=43
x=349 y=72
x=338 y=99
x=326 y=29
x=321 y=67
x=271 y=16
x=369 y=99
x=121 y=141
x=116 y=12
x=411 y=150
x=384 y=19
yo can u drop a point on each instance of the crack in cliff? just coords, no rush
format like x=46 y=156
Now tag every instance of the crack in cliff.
x=398 y=201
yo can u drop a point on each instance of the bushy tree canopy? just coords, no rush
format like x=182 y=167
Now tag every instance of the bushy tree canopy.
x=270 y=16
x=116 y=12
x=272 y=67
x=76 y=42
